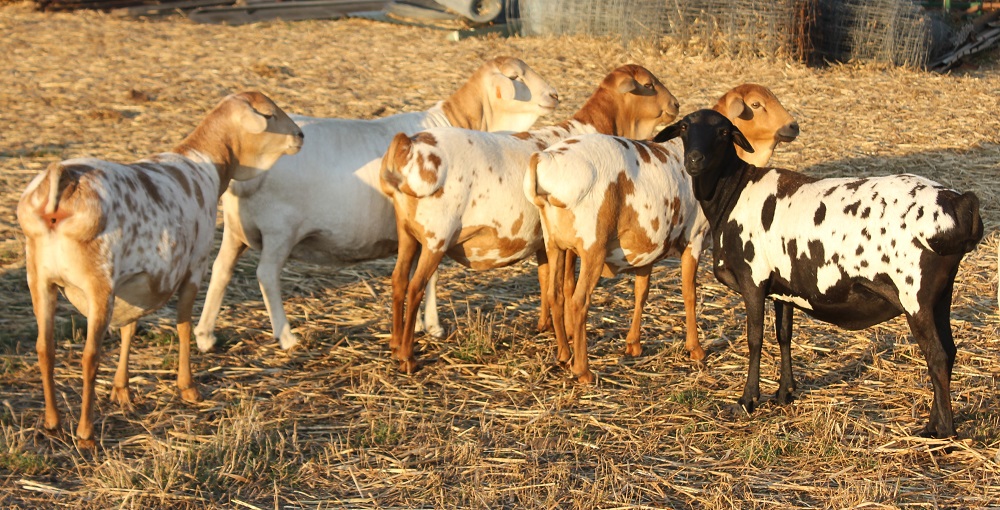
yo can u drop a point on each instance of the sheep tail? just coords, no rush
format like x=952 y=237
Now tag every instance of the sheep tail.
x=395 y=157
x=532 y=189
x=55 y=173
x=969 y=220
x=968 y=229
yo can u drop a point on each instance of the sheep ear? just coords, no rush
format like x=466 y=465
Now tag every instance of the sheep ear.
x=738 y=109
x=669 y=133
x=627 y=86
x=251 y=119
x=741 y=140
x=503 y=87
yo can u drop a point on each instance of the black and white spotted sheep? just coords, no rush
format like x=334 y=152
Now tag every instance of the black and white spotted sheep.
x=851 y=252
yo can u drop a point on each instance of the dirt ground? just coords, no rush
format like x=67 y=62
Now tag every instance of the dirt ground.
x=489 y=421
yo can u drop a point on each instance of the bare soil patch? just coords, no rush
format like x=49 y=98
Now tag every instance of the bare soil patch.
x=488 y=422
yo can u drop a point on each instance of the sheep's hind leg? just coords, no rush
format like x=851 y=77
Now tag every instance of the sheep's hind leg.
x=783 y=331
x=120 y=391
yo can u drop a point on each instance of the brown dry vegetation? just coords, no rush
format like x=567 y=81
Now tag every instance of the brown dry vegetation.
x=487 y=422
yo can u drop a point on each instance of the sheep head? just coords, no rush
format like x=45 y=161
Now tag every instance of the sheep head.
x=244 y=135
x=758 y=114
x=504 y=94
x=710 y=141
x=629 y=102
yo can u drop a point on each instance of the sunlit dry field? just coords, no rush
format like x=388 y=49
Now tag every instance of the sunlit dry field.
x=489 y=421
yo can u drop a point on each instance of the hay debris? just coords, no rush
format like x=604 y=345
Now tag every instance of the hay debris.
x=487 y=422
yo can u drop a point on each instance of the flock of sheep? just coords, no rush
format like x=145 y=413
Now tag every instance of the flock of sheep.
x=465 y=179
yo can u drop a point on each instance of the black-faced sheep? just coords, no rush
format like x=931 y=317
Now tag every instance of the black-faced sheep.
x=851 y=252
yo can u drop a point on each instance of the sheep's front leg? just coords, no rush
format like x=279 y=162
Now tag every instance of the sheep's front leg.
x=783 y=331
x=753 y=298
x=119 y=391
x=222 y=272
x=689 y=291
x=43 y=300
x=185 y=304
x=633 y=347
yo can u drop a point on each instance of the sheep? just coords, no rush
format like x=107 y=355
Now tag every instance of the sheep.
x=120 y=240
x=323 y=205
x=851 y=252
x=457 y=192
x=623 y=205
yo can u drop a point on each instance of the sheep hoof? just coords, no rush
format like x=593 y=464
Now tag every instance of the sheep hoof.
x=785 y=397
x=747 y=404
x=586 y=378
x=85 y=444
x=544 y=324
x=931 y=430
x=408 y=366
x=435 y=330
x=287 y=340
x=205 y=340
x=563 y=361
x=633 y=349
x=697 y=354
x=191 y=395
x=122 y=396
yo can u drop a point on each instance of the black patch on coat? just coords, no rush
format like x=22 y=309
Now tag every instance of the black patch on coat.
x=748 y=251
x=853 y=186
x=767 y=214
x=853 y=208
x=820 y=214
x=866 y=212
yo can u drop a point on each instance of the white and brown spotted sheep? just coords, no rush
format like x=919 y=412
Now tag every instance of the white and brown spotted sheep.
x=622 y=205
x=458 y=192
x=120 y=240
x=851 y=252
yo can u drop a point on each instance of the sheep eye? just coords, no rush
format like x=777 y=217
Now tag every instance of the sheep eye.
x=648 y=85
x=755 y=105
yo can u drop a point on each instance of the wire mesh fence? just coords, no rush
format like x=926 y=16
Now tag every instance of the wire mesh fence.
x=891 y=31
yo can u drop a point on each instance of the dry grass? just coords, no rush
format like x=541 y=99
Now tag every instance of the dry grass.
x=487 y=422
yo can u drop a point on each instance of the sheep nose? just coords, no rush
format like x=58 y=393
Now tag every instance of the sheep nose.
x=301 y=135
x=694 y=160
x=554 y=95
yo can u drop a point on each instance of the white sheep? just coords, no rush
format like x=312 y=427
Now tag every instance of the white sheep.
x=623 y=205
x=323 y=205
x=851 y=252
x=120 y=240
x=458 y=192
